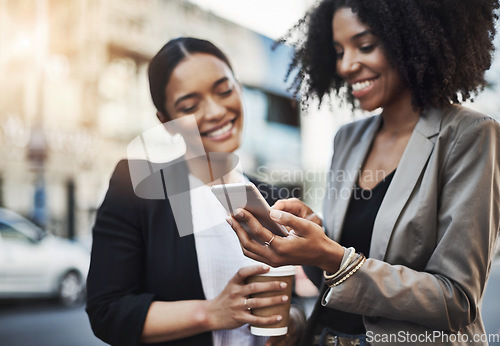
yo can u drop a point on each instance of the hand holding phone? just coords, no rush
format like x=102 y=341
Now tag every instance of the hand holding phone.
x=247 y=196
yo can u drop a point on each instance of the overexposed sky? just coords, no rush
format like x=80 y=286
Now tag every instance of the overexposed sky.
x=269 y=17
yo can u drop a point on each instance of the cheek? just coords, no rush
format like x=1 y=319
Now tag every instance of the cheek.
x=380 y=62
x=237 y=104
x=395 y=81
x=240 y=123
x=236 y=99
x=338 y=69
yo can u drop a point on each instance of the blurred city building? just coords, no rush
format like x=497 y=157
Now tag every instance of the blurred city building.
x=75 y=92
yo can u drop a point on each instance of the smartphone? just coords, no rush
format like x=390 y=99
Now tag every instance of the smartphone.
x=247 y=196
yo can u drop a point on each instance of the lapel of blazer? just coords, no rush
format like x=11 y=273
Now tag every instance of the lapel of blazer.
x=178 y=189
x=410 y=167
x=353 y=164
x=175 y=177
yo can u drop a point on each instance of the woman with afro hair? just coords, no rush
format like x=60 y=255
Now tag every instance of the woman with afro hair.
x=405 y=255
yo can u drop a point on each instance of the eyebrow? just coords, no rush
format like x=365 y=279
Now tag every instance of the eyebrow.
x=182 y=98
x=188 y=96
x=361 y=34
x=220 y=81
x=357 y=36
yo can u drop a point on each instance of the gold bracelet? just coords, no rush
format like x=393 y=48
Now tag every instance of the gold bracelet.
x=343 y=266
x=350 y=273
x=346 y=270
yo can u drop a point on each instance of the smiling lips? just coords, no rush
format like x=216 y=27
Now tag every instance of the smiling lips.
x=360 y=89
x=222 y=132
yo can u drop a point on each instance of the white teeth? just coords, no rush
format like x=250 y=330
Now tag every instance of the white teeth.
x=221 y=131
x=361 y=85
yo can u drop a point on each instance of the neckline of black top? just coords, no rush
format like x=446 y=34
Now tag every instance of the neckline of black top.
x=386 y=180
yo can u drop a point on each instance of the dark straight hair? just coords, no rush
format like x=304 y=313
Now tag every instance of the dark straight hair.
x=164 y=62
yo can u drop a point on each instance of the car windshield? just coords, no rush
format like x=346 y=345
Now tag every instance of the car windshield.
x=23 y=226
x=28 y=229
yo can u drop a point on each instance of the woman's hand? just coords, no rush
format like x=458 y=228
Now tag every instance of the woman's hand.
x=298 y=208
x=296 y=326
x=307 y=243
x=232 y=307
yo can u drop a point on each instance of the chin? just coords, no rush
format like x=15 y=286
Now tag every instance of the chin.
x=369 y=106
x=222 y=147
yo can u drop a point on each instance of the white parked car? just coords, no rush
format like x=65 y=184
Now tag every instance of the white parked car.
x=34 y=263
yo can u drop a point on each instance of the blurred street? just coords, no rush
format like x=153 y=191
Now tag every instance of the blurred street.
x=44 y=323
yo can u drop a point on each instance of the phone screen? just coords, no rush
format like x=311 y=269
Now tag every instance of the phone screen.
x=247 y=196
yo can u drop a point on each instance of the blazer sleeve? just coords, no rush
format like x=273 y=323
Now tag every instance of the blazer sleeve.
x=116 y=307
x=447 y=293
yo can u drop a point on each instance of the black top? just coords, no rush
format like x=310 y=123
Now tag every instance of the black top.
x=357 y=232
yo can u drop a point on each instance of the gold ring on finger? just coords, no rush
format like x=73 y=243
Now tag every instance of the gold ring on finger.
x=268 y=243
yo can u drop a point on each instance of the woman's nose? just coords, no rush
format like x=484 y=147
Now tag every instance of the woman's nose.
x=348 y=65
x=214 y=109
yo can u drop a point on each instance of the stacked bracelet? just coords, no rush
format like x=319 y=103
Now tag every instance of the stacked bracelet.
x=346 y=260
x=355 y=269
x=346 y=272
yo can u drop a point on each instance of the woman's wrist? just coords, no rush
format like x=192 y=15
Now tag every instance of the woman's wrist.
x=331 y=257
x=349 y=254
x=174 y=320
x=205 y=317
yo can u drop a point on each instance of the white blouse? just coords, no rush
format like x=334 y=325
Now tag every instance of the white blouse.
x=219 y=256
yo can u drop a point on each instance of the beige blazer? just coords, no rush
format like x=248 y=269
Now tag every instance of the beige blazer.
x=434 y=235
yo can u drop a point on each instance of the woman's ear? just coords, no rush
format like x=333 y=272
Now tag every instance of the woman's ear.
x=163 y=119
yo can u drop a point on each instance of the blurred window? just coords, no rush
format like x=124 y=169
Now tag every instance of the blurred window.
x=272 y=107
x=282 y=110
x=274 y=124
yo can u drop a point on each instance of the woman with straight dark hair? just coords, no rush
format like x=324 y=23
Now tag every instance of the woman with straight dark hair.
x=162 y=270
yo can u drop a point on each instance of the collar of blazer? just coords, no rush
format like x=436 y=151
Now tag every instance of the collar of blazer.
x=410 y=168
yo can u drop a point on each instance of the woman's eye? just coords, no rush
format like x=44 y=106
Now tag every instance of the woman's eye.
x=226 y=92
x=367 y=48
x=188 y=110
x=339 y=55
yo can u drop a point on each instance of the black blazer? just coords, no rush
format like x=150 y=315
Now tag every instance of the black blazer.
x=138 y=257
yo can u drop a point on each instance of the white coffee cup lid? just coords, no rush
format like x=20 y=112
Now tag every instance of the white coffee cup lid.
x=280 y=271
x=268 y=331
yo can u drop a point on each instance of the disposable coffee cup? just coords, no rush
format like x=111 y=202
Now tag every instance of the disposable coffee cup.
x=282 y=274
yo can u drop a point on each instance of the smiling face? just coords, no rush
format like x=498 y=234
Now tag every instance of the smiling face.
x=362 y=63
x=204 y=86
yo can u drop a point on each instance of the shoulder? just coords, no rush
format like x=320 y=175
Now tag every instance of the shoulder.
x=460 y=124
x=122 y=189
x=353 y=132
x=120 y=180
x=467 y=138
x=150 y=180
x=358 y=127
x=121 y=171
